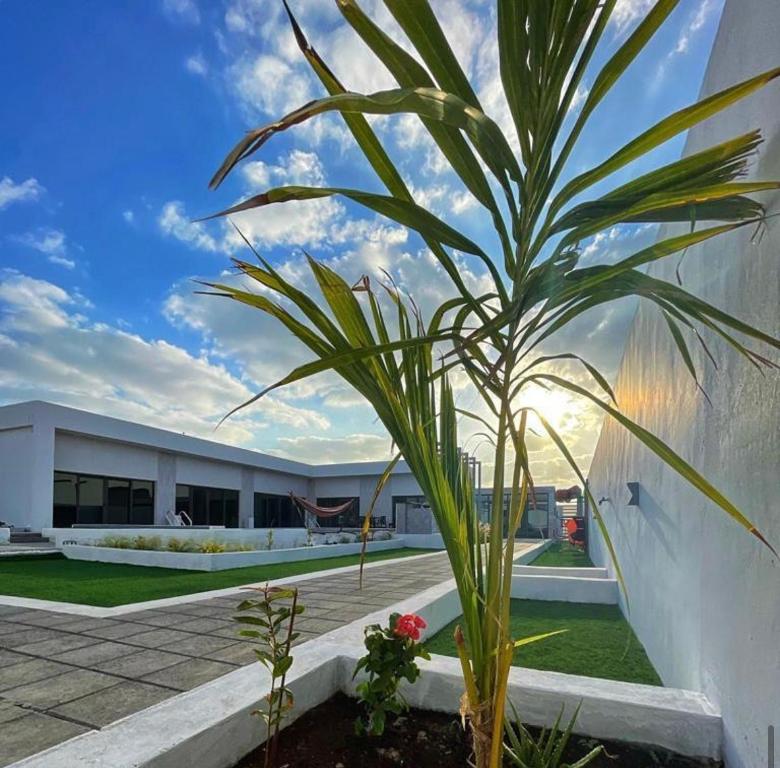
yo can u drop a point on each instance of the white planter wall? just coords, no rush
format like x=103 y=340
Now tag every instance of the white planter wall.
x=196 y=561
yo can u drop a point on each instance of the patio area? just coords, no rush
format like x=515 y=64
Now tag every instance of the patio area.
x=63 y=675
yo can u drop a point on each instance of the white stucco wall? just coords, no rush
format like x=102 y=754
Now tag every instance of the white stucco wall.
x=76 y=453
x=704 y=594
x=16 y=448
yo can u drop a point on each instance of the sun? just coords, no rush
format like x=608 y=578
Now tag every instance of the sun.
x=557 y=408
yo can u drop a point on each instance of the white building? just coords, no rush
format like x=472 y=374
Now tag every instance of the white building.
x=61 y=466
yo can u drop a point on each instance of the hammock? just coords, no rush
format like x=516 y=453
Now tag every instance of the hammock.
x=322 y=511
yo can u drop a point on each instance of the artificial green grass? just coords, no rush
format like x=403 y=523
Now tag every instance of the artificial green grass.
x=599 y=641
x=53 y=577
x=561 y=554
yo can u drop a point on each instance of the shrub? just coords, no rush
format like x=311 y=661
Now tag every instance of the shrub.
x=391 y=658
x=346 y=538
x=269 y=539
x=116 y=542
x=180 y=545
x=211 y=547
x=383 y=536
x=146 y=542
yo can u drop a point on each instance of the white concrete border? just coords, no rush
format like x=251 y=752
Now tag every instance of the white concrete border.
x=569 y=589
x=210 y=726
x=101 y=612
x=554 y=570
x=220 y=561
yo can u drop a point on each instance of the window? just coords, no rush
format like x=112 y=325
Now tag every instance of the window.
x=350 y=518
x=275 y=511
x=208 y=506
x=65 y=499
x=94 y=500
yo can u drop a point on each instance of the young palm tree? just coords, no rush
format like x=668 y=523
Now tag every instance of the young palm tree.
x=401 y=364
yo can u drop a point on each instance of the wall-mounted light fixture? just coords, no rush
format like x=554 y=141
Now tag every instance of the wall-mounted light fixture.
x=634 y=490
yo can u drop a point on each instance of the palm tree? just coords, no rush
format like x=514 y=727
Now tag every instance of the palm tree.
x=402 y=364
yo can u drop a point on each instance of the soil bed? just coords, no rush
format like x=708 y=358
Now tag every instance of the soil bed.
x=324 y=738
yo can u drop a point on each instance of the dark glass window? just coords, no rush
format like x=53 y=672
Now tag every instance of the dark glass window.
x=94 y=500
x=90 y=500
x=208 y=506
x=117 y=501
x=142 y=502
x=275 y=511
x=231 y=509
x=350 y=518
x=65 y=499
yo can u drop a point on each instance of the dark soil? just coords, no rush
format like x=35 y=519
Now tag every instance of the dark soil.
x=325 y=738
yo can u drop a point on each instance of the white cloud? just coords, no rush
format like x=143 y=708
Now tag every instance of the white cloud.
x=327 y=450
x=627 y=12
x=51 y=242
x=53 y=351
x=182 y=10
x=196 y=64
x=24 y=191
x=128 y=216
x=174 y=222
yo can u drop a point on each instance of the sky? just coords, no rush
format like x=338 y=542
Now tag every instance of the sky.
x=115 y=116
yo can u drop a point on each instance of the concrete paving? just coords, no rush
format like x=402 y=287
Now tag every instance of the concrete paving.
x=61 y=675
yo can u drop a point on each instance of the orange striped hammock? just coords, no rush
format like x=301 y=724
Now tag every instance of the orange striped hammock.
x=322 y=511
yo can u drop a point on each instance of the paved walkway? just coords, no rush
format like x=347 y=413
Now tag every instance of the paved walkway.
x=61 y=675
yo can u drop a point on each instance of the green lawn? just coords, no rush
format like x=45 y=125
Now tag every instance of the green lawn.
x=599 y=641
x=561 y=554
x=53 y=577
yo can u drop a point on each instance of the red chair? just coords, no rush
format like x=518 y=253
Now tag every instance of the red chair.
x=574 y=535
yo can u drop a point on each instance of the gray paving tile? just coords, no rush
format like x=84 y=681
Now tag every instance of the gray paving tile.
x=84 y=625
x=50 y=692
x=34 y=733
x=197 y=645
x=30 y=671
x=117 y=631
x=110 y=704
x=190 y=674
x=158 y=618
x=157 y=637
x=10 y=657
x=140 y=663
x=43 y=618
x=93 y=654
x=9 y=712
x=236 y=653
x=59 y=645
x=8 y=627
x=203 y=626
x=25 y=636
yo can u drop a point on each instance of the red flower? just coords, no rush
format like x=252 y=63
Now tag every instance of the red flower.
x=409 y=625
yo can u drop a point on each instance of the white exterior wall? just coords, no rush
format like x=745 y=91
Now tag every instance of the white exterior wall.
x=16 y=448
x=76 y=453
x=214 y=474
x=703 y=592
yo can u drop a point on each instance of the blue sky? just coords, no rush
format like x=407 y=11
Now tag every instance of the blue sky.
x=115 y=116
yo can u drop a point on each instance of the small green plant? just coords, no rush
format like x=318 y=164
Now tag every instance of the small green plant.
x=211 y=547
x=392 y=651
x=272 y=621
x=116 y=542
x=180 y=545
x=269 y=539
x=545 y=751
x=346 y=538
x=309 y=538
x=146 y=542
